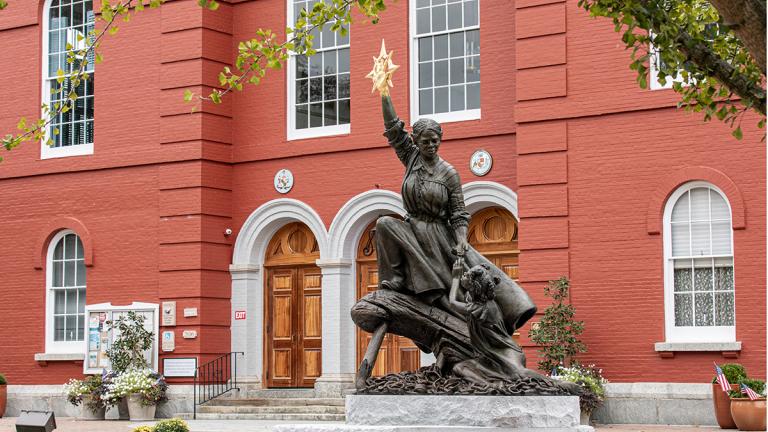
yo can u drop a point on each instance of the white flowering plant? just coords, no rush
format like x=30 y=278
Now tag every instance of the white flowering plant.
x=144 y=382
x=90 y=390
x=591 y=380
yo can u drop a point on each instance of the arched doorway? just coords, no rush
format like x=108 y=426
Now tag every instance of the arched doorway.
x=493 y=232
x=397 y=353
x=293 y=308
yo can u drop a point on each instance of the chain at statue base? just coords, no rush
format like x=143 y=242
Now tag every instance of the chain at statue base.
x=430 y=380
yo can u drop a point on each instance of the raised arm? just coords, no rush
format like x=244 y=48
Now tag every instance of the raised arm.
x=398 y=137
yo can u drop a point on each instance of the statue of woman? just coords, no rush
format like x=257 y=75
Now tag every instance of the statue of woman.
x=416 y=255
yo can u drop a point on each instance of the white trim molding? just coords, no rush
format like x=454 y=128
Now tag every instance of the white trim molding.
x=248 y=280
x=693 y=333
x=348 y=224
x=51 y=345
x=481 y=194
x=697 y=346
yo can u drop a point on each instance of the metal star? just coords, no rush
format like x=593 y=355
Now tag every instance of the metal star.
x=382 y=71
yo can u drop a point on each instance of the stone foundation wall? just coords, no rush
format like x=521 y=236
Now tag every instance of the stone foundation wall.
x=657 y=403
x=52 y=398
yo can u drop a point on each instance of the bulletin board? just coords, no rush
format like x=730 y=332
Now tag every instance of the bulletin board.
x=100 y=338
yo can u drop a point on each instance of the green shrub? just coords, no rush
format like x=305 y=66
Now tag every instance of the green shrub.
x=171 y=425
x=733 y=371
x=755 y=384
x=142 y=429
x=2 y=380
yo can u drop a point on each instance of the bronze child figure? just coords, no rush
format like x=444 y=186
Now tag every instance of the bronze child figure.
x=498 y=356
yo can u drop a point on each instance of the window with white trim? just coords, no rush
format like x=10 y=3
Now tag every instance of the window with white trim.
x=318 y=90
x=445 y=59
x=699 y=275
x=66 y=26
x=65 y=304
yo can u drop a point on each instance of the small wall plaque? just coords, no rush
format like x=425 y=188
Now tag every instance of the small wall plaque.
x=189 y=334
x=190 y=312
x=480 y=163
x=169 y=341
x=284 y=181
x=169 y=313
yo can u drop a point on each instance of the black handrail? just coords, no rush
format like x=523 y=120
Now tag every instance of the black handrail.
x=214 y=379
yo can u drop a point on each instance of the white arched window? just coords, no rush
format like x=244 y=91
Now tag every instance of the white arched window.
x=66 y=25
x=698 y=264
x=65 y=304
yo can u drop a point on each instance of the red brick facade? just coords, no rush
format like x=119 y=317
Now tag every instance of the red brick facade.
x=591 y=156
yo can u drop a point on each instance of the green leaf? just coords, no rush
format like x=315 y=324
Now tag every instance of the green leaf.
x=60 y=76
x=188 y=95
x=737 y=133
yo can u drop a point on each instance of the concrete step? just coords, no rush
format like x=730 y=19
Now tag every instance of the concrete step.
x=302 y=409
x=276 y=402
x=275 y=393
x=265 y=416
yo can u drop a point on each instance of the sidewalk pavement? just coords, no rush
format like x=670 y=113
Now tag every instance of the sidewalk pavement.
x=68 y=424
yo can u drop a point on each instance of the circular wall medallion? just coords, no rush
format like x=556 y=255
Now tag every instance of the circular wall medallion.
x=283 y=181
x=480 y=162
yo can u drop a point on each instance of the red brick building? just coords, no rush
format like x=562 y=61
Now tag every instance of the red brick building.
x=657 y=218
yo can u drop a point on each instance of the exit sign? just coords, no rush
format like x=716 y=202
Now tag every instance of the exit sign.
x=239 y=315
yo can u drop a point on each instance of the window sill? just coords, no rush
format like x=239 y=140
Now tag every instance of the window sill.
x=68 y=151
x=668 y=349
x=44 y=358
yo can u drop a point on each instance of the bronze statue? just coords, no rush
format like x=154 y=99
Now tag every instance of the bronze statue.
x=426 y=257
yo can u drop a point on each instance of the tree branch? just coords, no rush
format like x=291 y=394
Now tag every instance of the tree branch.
x=700 y=54
x=747 y=19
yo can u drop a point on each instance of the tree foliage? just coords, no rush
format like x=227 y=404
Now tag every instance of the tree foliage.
x=689 y=44
x=709 y=64
x=557 y=334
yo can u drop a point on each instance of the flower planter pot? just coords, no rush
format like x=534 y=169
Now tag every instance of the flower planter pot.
x=749 y=415
x=3 y=399
x=87 y=414
x=585 y=418
x=722 y=403
x=139 y=412
x=122 y=409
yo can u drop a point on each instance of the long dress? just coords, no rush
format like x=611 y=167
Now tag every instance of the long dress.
x=417 y=253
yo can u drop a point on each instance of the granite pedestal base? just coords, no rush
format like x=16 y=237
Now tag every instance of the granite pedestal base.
x=417 y=413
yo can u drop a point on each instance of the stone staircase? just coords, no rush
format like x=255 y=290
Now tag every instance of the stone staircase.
x=287 y=405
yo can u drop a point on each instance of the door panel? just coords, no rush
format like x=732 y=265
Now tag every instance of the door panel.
x=280 y=327
x=310 y=338
x=293 y=306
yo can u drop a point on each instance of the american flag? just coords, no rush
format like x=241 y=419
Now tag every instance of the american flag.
x=721 y=379
x=749 y=392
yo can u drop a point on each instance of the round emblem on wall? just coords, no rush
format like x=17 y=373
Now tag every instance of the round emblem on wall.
x=480 y=163
x=284 y=181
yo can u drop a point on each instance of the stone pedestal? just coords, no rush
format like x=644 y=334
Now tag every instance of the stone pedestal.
x=455 y=413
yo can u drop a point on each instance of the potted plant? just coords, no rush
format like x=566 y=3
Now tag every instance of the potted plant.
x=142 y=389
x=127 y=351
x=749 y=415
x=87 y=392
x=734 y=372
x=591 y=380
x=3 y=394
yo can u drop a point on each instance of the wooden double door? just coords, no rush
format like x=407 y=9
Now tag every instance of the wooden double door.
x=492 y=232
x=293 y=318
